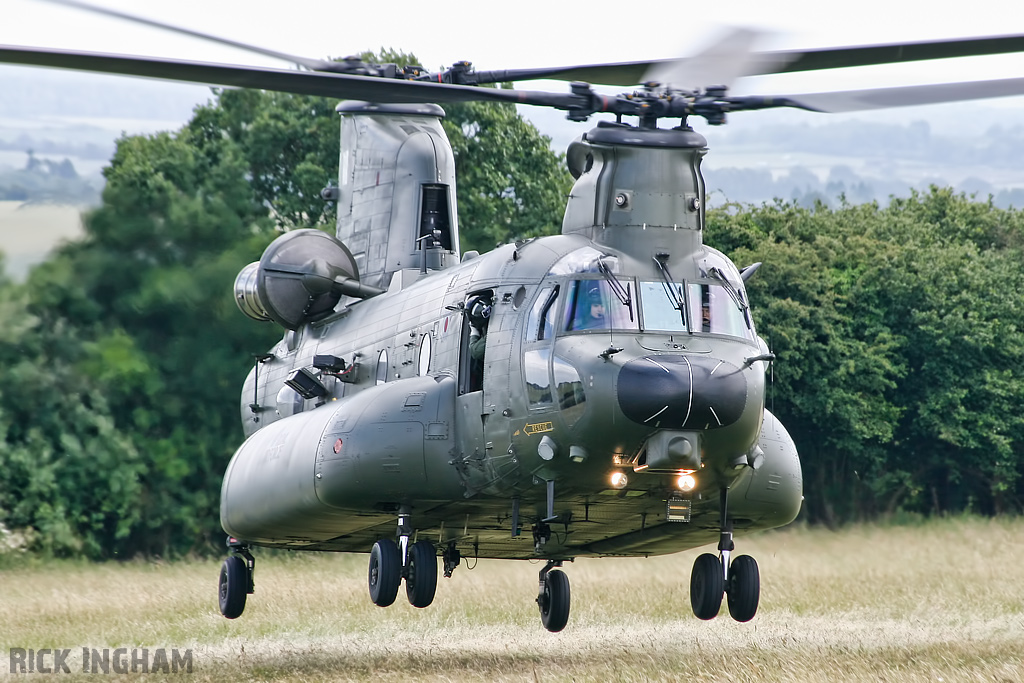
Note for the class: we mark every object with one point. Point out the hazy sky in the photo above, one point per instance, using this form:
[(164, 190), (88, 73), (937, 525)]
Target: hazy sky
[(530, 33), (521, 33)]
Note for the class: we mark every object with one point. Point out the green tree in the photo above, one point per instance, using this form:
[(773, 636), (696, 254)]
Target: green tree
[(510, 184), (71, 476), (144, 303), (900, 349)]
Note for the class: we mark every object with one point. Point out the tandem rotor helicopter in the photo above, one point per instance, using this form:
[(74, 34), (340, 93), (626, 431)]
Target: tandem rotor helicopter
[(596, 393)]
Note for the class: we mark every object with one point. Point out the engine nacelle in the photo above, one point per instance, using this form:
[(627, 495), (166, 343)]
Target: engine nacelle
[(300, 278)]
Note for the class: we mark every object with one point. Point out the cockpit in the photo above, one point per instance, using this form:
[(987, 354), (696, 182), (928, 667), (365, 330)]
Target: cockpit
[(595, 296)]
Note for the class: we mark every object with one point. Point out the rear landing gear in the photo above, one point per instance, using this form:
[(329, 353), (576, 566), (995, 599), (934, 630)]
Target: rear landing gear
[(714, 577), (553, 597), (236, 579)]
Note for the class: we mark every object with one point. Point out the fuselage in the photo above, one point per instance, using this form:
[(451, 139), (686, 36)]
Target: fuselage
[(660, 386)]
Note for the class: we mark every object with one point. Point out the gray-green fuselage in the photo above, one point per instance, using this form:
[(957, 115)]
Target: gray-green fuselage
[(329, 474), (624, 346)]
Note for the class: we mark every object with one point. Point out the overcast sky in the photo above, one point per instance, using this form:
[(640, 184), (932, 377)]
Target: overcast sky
[(530, 33)]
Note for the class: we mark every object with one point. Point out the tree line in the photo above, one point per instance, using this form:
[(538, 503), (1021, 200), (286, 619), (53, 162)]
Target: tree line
[(897, 328)]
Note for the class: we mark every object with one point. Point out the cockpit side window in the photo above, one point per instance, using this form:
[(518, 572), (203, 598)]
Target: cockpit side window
[(592, 305), (540, 324), (715, 311)]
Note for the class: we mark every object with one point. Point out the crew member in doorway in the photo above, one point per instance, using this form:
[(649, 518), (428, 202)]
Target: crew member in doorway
[(479, 311)]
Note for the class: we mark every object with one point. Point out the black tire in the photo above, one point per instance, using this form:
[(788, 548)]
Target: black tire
[(744, 588), (385, 573), (234, 586), (707, 586), (554, 601), (421, 574)]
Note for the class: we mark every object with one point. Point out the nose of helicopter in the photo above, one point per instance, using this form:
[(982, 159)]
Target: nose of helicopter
[(682, 392)]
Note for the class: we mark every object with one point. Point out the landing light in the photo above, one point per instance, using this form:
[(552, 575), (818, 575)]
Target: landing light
[(619, 480), (686, 482)]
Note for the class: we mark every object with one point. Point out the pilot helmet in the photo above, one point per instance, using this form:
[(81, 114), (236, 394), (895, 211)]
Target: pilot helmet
[(479, 309)]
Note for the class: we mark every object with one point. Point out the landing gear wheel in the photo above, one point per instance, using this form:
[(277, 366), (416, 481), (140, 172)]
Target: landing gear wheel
[(421, 574), (706, 586), (234, 586), (385, 572), (744, 588), (554, 601)]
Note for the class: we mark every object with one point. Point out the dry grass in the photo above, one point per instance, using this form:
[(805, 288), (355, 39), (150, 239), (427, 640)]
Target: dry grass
[(939, 601)]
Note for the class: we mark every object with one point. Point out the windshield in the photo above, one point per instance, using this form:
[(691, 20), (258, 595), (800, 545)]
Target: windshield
[(659, 311)]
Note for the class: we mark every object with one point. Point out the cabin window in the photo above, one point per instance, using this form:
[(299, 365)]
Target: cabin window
[(423, 363), (659, 301), (382, 367), (519, 298), (538, 380)]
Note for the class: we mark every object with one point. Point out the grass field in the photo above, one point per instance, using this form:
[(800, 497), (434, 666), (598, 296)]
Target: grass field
[(938, 601)]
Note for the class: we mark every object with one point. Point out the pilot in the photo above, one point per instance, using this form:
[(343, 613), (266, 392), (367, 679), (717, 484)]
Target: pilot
[(593, 317)]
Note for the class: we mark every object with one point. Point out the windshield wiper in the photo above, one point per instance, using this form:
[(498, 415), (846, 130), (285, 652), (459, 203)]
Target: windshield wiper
[(717, 274), (673, 291), (621, 293)]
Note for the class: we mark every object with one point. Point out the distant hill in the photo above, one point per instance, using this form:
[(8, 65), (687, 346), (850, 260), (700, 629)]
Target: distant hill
[(778, 154)]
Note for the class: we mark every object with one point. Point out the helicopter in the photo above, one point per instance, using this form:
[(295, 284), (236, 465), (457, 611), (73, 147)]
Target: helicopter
[(598, 393)]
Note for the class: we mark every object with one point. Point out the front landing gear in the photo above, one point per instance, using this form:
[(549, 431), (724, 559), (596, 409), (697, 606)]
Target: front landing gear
[(714, 577), (553, 597), (236, 579), (416, 563), (706, 586), (744, 588)]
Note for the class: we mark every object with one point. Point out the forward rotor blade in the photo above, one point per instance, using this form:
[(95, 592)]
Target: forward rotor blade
[(341, 86), (314, 64), (784, 61)]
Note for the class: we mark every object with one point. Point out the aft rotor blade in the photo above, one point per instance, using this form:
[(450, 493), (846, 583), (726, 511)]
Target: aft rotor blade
[(784, 61), (884, 98), (341, 86), (314, 64)]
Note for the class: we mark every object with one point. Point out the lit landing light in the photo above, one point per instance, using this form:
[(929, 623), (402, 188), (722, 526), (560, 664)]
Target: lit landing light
[(619, 480), (686, 482)]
